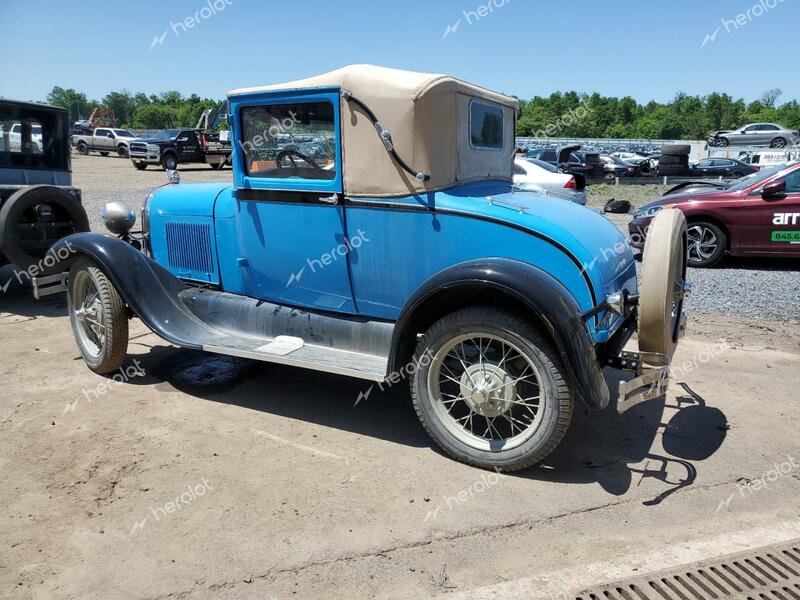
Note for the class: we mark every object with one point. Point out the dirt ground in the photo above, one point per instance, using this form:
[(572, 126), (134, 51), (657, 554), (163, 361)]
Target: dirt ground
[(192, 476)]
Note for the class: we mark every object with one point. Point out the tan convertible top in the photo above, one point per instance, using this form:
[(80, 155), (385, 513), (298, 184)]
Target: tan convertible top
[(429, 118)]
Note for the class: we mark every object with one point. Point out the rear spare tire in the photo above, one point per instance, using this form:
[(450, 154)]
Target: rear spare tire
[(663, 280), (34, 218)]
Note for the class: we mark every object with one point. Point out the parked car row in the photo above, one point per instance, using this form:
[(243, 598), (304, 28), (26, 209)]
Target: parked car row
[(597, 165)]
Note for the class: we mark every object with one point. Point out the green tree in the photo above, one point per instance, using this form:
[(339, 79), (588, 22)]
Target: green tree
[(75, 102)]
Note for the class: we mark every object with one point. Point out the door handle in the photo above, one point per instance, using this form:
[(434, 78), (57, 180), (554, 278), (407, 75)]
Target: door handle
[(330, 199)]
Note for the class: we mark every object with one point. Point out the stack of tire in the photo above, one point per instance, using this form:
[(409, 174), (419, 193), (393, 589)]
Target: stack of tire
[(674, 160)]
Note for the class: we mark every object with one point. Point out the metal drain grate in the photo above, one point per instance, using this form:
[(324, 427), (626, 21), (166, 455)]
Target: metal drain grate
[(771, 573)]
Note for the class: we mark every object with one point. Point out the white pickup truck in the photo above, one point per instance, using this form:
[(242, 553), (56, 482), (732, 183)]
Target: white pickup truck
[(105, 140), (15, 138)]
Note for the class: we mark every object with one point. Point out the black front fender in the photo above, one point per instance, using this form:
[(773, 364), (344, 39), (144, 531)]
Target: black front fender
[(150, 291), (547, 299)]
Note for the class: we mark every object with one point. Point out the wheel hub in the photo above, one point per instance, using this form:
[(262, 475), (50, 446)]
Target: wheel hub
[(488, 389)]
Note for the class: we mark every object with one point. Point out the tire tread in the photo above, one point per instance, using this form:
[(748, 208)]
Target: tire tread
[(509, 322)]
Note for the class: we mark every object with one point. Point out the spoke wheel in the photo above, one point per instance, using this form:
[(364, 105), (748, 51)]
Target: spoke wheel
[(490, 390), (98, 317), (89, 312), (486, 391)]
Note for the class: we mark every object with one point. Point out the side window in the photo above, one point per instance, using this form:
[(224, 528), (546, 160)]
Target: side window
[(793, 182), (13, 140), (290, 141), (704, 163), (769, 128), (100, 132), (753, 128), (485, 126), (549, 155), (187, 137)]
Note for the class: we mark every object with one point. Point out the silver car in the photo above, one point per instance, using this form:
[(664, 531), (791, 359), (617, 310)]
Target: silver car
[(760, 134)]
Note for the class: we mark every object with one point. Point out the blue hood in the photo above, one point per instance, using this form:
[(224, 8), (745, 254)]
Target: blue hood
[(193, 199), (597, 243)]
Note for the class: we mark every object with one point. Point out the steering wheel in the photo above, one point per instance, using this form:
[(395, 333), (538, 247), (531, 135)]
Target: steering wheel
[(290, 154)]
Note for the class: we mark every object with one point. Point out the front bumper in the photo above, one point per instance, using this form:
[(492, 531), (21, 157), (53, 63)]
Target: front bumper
[(151, 158)]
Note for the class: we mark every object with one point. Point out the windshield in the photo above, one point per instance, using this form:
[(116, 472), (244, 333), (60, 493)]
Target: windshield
[(166, 134), (762, 175), (124, 133)]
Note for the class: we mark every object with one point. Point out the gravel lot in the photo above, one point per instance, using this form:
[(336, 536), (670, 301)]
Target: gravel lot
[(198, 476)]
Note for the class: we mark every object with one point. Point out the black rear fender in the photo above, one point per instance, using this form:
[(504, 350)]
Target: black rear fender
[(516, 286)]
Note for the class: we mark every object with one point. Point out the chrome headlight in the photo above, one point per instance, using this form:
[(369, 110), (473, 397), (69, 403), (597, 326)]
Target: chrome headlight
[(647, 212), (153, 148), (118, 217)]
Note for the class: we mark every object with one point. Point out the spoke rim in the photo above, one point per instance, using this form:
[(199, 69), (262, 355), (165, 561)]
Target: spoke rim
[(89, 315), (486, 392)]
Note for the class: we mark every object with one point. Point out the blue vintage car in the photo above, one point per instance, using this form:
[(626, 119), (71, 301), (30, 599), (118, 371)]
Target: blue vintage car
[(399, 252)]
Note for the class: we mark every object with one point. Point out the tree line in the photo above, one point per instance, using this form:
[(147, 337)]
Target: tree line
[(686, 117), (561, 114), (136, 111)]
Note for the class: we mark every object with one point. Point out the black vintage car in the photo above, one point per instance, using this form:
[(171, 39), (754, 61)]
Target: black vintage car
[(172, 147), (38, 204)]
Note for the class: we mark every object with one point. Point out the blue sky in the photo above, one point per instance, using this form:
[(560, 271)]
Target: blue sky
[(649, 50)]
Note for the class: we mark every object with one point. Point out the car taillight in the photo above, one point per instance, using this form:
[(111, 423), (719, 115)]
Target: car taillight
[(571, 185)]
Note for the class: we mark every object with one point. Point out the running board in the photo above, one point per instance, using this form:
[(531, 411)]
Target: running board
[(294, 352)]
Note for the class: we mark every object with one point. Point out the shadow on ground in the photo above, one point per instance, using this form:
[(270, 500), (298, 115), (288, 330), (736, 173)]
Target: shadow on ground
[(612, 450), (16, 299)]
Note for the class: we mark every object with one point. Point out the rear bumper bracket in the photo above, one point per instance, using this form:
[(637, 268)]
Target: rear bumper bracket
[(50, 284), (650, 382)]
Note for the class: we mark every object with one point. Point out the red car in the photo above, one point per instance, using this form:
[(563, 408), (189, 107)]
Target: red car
[(758, 215)]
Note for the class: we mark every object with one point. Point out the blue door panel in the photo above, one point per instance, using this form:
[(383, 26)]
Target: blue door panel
[(406, 248), (295, 254)]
